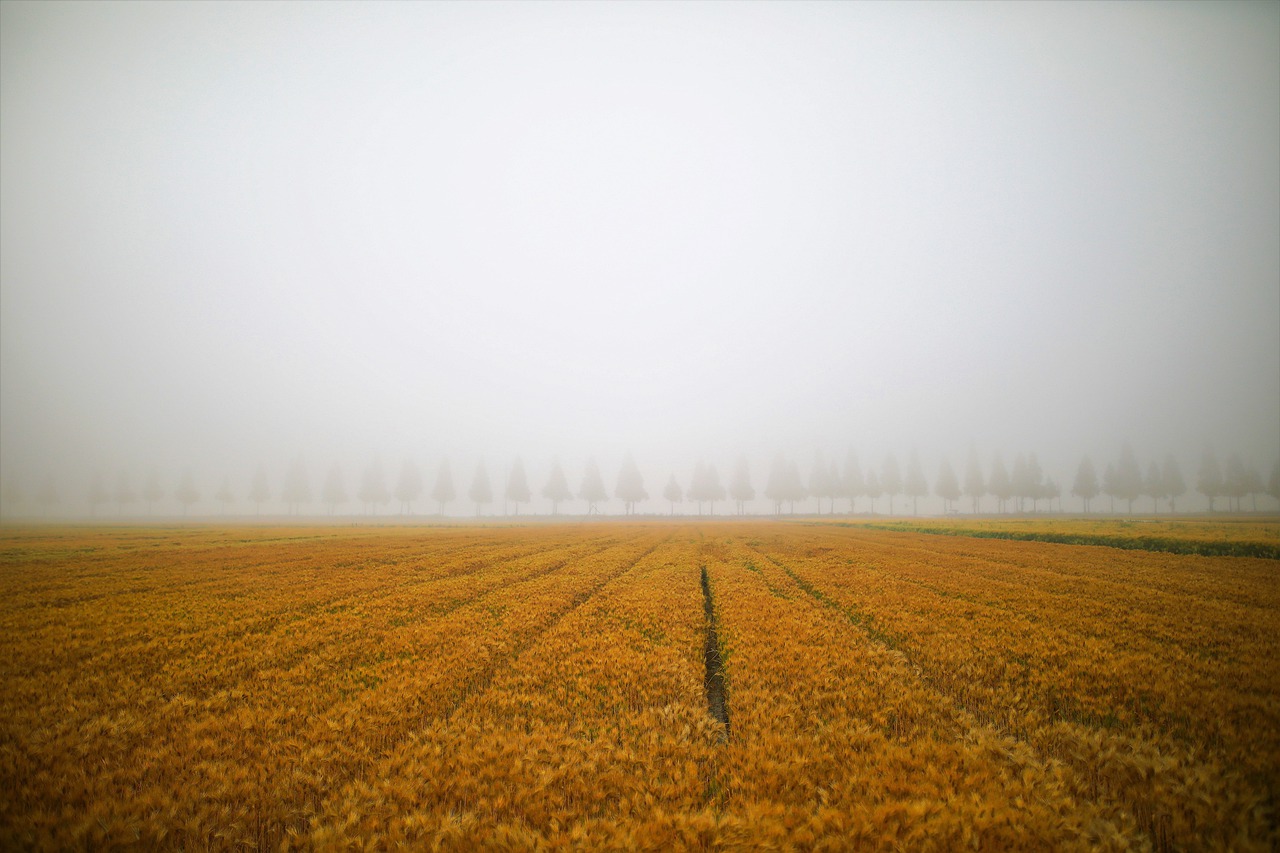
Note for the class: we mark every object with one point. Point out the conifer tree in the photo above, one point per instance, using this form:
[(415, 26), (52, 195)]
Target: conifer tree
[(630, 488), (373, 487), (517, 486), (673, 493), (1174, 485), (974, 484), (740, 488), (915, 486), (592, 490), (259, 493), (852, 480), (948, 486), (557, 488), (1209, 480), (444, 491), (481, 492), (1128, 476), (1085, 486), (999, 484), (891, 479), (408, 486), (334, 491)]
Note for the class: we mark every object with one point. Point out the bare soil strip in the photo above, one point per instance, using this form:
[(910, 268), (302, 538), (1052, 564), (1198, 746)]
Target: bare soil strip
[(717, 701)]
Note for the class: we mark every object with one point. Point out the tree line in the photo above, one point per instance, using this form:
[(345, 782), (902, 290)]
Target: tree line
[(1022, 487)]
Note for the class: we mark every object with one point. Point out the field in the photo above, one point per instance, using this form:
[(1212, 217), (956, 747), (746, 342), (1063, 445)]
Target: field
[(548, 685)]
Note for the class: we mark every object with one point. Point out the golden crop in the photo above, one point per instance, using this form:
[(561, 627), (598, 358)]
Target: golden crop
[(544, 686)]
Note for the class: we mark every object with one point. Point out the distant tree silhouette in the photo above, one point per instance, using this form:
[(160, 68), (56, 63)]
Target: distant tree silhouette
[(259, 491), (891, 479), (1153, 485), (1273, 483), (630, 488), (592, 490), (871, 488), (915, 486), (186, 493), (373, 487), (673, 493), (151, 491), (948, 486), (481, 492), (851, 479), (821, 484), (705, 486), (1038, 486), (223, 496), (1128, 477), (444, 490), (796, 490), (124, 494), (1109, 486), (408, 486), (999, 484), (1174, 485), (775, 488), (698, 485), (1021, 484), (97, 493), (557, 488), (334, 491), (296, 489), (740, 488), (1240, 481), (974, 484), (1209, 480), (517, 486), (1085, 486)]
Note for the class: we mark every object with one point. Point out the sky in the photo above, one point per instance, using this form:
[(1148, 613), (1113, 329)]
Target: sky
[(235, 233)]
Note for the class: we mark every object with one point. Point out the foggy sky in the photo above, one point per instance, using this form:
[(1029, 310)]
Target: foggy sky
[(235, 233)]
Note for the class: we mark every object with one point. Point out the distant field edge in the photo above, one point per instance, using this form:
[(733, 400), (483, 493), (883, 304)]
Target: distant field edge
[(1172, 545)]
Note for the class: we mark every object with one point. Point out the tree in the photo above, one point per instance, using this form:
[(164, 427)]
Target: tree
[(1153, 485), (740, 488), (97, 493), (151, 490), (186, 493), (775, 488), (444, 490), (223, 495), (852, 479), (296, 489), (481, 492), (915, 485), (821, 485), (259, 493), (1109, 486), (891, 479), (673, 493), (1273, 484), (1240, 481), (408, 486), (334, 491), (974, 484), (796, 490), (517, 486), (999, 484), (698, 485), (1038, 485), (1128, 476), (1085, 486), (557, 488), (1021, 485), (124, 491), (592, 490), (373, 487), (871, 488), (948, 486), (1209, 480), (631, 485), (1174, 486)]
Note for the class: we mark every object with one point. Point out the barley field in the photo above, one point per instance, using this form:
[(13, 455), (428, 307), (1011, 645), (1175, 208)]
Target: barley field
[(640, 685)]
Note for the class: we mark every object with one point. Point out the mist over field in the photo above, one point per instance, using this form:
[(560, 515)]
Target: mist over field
[(237, 236)]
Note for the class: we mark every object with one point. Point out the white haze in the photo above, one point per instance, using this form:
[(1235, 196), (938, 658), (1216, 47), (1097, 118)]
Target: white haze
[(236, 233)]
